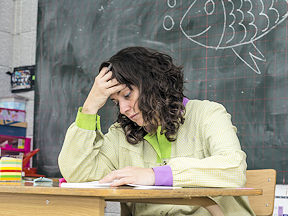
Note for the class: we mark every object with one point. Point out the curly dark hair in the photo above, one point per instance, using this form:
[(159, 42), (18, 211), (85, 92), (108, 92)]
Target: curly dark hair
[(160, 85)]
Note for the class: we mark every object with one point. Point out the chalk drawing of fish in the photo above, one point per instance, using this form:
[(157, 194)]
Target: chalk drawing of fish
[(224, 24)]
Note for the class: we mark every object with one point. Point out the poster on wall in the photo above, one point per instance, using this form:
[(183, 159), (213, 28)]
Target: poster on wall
[(22, 78)]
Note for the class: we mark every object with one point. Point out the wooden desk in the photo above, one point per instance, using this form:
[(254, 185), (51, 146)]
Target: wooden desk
[(25, 199)]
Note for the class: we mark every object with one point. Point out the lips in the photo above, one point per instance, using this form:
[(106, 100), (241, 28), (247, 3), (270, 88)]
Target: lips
[(133, 116)]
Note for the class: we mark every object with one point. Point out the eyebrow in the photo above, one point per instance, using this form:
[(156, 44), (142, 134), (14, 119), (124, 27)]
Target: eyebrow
[(119, 92)]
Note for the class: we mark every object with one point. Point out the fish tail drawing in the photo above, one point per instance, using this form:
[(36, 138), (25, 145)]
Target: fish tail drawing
[(255, 55)]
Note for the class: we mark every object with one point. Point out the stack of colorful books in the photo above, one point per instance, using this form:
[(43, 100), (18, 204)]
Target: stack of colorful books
[(10, 169)]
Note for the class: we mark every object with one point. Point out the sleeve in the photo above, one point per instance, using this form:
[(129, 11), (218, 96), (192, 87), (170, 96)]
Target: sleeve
[(86, 154), (226, 164)]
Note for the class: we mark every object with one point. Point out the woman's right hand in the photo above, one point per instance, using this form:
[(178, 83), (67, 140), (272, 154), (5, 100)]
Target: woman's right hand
[(102, 88)]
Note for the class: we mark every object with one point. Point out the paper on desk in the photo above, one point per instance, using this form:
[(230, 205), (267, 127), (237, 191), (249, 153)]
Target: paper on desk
[(96, 184), (143, 187), (93, 184)]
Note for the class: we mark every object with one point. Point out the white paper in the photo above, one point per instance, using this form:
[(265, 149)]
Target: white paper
[(96, 184), (93, 184)]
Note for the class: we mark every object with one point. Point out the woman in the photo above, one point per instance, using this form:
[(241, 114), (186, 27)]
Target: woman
[(160, 138)]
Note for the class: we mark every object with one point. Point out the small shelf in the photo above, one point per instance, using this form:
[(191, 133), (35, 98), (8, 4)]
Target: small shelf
[(13, 149), (12, 145)]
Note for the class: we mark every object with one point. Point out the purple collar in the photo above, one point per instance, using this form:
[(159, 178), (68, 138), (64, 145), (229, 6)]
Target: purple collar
[(185, 101)]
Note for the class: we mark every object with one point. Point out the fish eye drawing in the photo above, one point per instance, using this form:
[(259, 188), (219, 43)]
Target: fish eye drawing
[(230, 24)]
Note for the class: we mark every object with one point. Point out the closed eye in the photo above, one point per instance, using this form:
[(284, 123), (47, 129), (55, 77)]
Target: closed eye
[(127, 95)]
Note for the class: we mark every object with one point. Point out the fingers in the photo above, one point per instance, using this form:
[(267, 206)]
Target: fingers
[(118, 175), (130, 175), (107, 76), (101, 90), (112, 82), (123, 181), (104, 75), (116, 88), (104, 71), (104, 81), (108, 82), (108, 178)]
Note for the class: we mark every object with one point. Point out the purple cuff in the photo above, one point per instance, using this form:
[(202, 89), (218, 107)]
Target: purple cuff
[(163, 176)]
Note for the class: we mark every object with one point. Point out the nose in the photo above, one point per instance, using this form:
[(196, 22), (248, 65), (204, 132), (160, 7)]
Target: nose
[(124, 107)]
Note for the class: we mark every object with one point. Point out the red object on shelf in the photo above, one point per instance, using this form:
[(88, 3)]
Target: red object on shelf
[(29, 171), (28, 156)]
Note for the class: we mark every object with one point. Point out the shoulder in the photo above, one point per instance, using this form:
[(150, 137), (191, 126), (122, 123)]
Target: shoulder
[(200, 111), (202, 106)]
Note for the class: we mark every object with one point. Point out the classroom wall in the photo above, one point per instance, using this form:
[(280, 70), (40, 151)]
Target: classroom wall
[(6, 41), (18, 22)]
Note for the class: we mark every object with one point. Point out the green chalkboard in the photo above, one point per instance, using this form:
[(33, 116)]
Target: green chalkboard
[(233, 52)]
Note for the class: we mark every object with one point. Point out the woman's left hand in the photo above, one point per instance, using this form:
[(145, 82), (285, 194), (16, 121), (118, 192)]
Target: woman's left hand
[(130, 175)]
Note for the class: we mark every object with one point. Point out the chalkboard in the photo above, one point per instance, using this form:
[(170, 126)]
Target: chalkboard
[(233, 52)]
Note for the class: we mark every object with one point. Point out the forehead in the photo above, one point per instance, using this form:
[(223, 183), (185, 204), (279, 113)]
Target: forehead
[(115, 95)]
